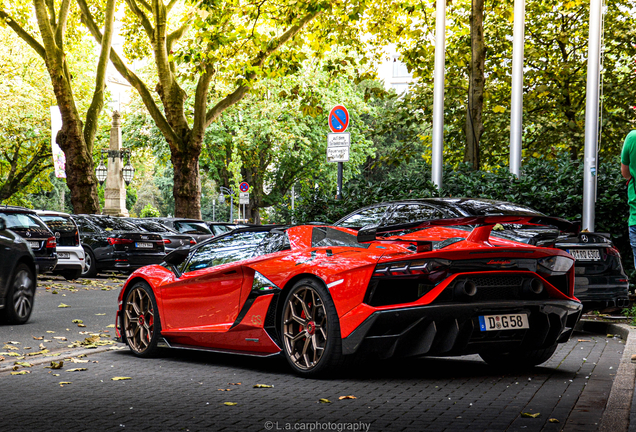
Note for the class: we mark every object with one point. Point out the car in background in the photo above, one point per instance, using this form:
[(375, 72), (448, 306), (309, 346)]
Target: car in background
[(70, 254), (26, 223), (172, 240), (320, 295), (198, 229), (600, 280), (18, 277), (114, 244)]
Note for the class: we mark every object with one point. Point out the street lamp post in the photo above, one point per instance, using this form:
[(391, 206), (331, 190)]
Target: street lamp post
[(230, 192)]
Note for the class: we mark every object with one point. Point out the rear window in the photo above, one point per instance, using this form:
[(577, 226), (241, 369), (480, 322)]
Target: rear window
[(110, 224), (325, 236), (59, 223), (192, 228), (154, 227), (22, 221)]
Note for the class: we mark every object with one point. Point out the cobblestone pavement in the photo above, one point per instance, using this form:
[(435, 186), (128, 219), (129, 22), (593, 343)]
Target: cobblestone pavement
[(194, 391)]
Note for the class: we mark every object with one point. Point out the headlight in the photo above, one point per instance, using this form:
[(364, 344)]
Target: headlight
[(556, 265)]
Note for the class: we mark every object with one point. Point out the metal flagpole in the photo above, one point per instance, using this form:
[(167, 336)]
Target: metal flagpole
[(516, 100), (438, 93), (591, 113)]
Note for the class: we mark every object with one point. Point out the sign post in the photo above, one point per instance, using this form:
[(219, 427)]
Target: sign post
[(244, 196), (338, 142)]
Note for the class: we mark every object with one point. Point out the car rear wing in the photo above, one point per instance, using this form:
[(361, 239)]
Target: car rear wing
[(483, 225)]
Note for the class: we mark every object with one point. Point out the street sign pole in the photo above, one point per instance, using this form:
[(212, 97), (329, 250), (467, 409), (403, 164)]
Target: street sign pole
[(339, 195)]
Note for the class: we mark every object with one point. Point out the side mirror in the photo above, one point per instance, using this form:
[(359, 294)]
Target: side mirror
[(367, 234), (3, 224), (177, 256)]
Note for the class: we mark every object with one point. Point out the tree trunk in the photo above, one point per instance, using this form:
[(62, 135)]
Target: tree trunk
[(187, 185), (474, 123)]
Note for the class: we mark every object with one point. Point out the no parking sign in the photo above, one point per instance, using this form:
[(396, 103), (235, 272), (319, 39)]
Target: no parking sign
[(338, 119)]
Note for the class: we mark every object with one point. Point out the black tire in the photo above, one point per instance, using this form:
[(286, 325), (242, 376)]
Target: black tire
[(20, 296), (140, 320), (71, 274), (521, 359), (90, 265), (311, 346)]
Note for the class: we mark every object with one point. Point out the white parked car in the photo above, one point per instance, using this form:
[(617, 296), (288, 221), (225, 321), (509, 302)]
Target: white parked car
[(70, 254)]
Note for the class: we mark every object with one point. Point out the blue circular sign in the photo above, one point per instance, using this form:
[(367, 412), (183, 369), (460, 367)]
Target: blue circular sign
[(244, 187), (338, 119)]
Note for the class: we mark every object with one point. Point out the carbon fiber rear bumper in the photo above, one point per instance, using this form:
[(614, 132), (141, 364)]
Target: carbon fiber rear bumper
[(453, 329)]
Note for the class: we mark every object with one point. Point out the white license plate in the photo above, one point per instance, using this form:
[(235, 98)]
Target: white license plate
[(585, 254), (66, 255), (34, 245), (503, 322), (144, 245)]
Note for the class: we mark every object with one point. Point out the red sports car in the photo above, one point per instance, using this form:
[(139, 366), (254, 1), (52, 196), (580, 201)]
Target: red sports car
[(321, 294)]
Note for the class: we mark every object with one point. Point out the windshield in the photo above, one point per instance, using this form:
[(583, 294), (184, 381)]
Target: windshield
[(22, 221)]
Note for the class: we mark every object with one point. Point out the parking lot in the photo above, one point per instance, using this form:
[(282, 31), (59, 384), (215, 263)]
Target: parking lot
[(186, 390)]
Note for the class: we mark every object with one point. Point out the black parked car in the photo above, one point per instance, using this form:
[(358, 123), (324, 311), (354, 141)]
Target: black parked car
[(115, 244), (219, 228), (27, 224), (194, 227), (599, 276), (171, 239), (17, 277)]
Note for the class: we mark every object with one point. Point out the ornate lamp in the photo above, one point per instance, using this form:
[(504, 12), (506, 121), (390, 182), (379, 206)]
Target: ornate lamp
[(101, 172), (129, 172)]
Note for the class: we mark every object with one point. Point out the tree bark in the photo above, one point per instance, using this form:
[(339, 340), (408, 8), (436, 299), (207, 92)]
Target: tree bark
[(474, 123)]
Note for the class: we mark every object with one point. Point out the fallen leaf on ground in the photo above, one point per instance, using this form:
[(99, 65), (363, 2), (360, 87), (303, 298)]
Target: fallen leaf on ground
[(120, 378), (81, 325), (62, 305), (347, 397), (531, 415), (229, 403), (38, 338), (100, 314), (553, 420), (49, 331), (262, 386), (65, 382), (23, 364), (77, 321), (224, 389), (13, 343), (62, 338), (22, 372), (1, 358), (42, 346), (76, 370), (323, 400), (585, 340), (55, 365), (44, 351), (13, 354), (76, 360), (110, 326), (10, 347), (233, 383)]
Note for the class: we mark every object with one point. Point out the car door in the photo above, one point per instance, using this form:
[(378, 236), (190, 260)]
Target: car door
[(206, 297)]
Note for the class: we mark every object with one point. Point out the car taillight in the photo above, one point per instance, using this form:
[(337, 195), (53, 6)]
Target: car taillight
[(613, 251), (167, 241), (193, 241), (77, 238), (50, 242), (117, 240)]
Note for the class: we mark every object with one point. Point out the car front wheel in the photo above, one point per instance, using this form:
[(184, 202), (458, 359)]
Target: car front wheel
[(90, 266), (141, 324), (310, 329)]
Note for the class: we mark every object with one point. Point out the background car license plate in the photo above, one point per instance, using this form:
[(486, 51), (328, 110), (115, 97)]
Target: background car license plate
[(144, 245), (34, 245), (63, 255), (585, 254), (503, 322)]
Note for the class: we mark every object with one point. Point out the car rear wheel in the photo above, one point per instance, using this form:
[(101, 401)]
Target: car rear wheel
[(310, 329), (519, 359), (90, 265), (20, 296), (141, 324)]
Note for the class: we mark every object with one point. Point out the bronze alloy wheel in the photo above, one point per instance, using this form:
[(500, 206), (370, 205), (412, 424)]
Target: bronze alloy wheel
[(139, 320), (305, 327), (22, 293)]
